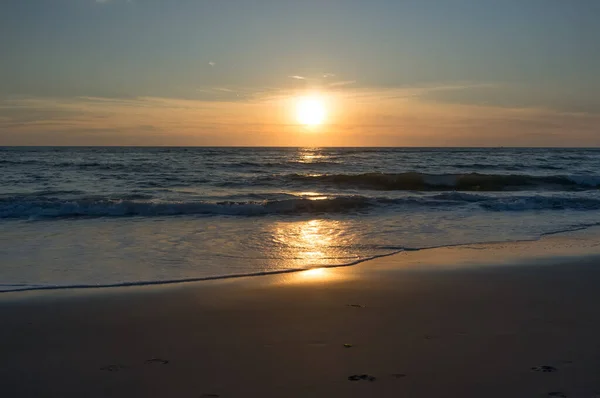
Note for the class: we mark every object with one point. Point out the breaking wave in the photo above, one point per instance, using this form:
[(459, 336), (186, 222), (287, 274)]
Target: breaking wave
[(138, 205), (413, 181), (53, 208)]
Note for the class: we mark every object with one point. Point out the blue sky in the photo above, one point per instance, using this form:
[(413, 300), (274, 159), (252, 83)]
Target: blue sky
[(540, 55)]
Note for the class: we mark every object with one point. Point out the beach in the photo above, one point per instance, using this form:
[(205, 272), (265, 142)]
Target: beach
[(495, 320), (299, 199)]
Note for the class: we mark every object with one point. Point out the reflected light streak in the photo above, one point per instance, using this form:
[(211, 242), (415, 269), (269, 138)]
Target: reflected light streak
[(314, 273), (311, 156), (313, 243)]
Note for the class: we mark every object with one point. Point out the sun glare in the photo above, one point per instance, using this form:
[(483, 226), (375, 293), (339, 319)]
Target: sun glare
[(310, 111)]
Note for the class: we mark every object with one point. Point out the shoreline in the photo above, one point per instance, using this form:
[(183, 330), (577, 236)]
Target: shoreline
[(589, 232), (516, 319)]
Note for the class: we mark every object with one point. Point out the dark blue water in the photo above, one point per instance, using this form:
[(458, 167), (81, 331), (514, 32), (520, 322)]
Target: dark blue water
[(114, 215)]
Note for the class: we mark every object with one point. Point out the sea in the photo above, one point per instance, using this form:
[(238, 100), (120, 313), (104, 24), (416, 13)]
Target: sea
[(118, 216)]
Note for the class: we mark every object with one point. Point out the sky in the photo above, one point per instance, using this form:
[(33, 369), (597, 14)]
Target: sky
[(388, 72)]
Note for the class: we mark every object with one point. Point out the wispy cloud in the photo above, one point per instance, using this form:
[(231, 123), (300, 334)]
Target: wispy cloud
[(229, 94), (407, 92), (212, 63), (342, 83), (357, 116), (323, 76)]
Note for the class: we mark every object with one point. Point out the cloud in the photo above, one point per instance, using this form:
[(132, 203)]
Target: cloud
[(357, 116), (212, 63), (415, 92), (228, 94), (342, 83), (324, 76)]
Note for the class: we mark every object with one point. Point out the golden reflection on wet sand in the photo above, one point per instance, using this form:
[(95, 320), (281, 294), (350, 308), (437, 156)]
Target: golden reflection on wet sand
[(311, 244)]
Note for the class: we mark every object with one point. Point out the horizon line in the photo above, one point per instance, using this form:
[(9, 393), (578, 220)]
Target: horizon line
[(295, 146)]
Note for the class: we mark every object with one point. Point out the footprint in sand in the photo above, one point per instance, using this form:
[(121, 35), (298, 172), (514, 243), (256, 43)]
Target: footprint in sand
[(557, 394), (544, 369), (362, 377), (112, 368), (347, 345), (355, 305), (156, 360)]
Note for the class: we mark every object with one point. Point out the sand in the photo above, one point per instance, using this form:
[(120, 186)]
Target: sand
[(512, 320)]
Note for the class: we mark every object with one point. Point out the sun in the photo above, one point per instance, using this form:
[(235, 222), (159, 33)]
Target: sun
[(310, 111)]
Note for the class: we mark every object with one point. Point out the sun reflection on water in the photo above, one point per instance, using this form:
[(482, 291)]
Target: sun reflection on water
[(311, 156), (314, 244)]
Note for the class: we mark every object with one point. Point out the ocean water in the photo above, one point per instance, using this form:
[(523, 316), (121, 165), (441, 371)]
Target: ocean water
[(113, 216)]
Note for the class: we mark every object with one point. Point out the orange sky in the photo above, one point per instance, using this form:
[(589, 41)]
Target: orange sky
[(205, 72), (355, 117)]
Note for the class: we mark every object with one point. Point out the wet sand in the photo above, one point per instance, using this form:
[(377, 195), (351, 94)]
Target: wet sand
[(511, 320)]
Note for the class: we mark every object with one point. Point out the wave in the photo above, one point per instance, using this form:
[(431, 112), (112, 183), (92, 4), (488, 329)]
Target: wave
[(23, 207), (414, 181), (138, 205), (129, 167), (150, 166), (523, 203), (20, 162), (504, 167), (541, 203)]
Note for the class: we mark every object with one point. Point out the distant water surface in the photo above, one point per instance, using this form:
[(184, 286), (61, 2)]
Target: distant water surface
[(105, 216)]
